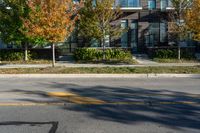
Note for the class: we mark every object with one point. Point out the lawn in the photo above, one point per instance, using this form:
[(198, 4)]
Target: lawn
[(27, 62), (112, 62), (103, 70), (159, 60)]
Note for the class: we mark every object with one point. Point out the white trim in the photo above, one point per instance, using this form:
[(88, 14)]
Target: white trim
[(170, 8), (131, 8)]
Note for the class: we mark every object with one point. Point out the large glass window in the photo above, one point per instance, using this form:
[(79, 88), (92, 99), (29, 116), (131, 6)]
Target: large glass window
[(134, 35), (169, 3), (133, 3), (94, 3), (152, 38), (163, 4), (124, 36), (128, 3), (157, 33), (94, 43), (154, 30), (151, 4), (163, 31)]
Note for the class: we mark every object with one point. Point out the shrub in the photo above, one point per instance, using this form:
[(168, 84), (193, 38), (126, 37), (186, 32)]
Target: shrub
[(13, 55), (172, 54), (165, 54), (92, 54)]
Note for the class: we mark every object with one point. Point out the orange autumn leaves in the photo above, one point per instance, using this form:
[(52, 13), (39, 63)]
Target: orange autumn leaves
[(52, 20), (193, 19)]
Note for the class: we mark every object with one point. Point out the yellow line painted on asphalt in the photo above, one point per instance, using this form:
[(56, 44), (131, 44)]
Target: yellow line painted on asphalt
[(74, 98), (61, 94), (77, 99)]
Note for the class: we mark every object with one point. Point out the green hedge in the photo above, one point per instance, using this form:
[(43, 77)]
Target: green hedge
[(92, 54), (13, 55), (172, 54)]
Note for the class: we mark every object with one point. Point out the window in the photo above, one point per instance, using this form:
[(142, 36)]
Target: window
[(163, 31), (152, 38), (169, 3), (134, 35), (128, 3), (163, 4), (151, 4), (133, 3), (94, 3), (94, 43), (124, 36)]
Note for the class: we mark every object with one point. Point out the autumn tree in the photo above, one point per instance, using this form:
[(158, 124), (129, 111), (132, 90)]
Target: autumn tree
[(192, 18), (177, 24), (52, 20), (95, 20), (10, 23)]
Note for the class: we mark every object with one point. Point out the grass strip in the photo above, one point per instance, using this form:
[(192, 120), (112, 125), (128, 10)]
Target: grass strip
[(103, 70), (27, 62)]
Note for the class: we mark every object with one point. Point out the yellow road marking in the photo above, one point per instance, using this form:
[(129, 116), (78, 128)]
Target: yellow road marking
[(61, 94), (74, 98), (77, 99)]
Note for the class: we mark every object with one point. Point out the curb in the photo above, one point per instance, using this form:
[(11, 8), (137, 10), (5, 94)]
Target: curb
[(10, 104), (99, 75)]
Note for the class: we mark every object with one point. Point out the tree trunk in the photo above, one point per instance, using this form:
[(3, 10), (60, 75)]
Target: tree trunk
[(26, 52), (179, 52), (53, 55), (103, 45)]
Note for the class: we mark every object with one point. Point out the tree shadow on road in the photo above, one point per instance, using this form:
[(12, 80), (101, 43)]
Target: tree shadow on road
[(131, 105)]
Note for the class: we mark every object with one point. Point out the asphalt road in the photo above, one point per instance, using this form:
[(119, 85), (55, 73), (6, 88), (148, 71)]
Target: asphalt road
[(126, 105)]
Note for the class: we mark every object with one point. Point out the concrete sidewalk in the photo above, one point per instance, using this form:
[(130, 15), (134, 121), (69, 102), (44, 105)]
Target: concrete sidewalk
[(64, 64), (97, 76)]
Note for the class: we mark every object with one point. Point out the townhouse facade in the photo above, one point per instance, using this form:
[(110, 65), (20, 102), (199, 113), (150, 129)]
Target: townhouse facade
[(147, 22)]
